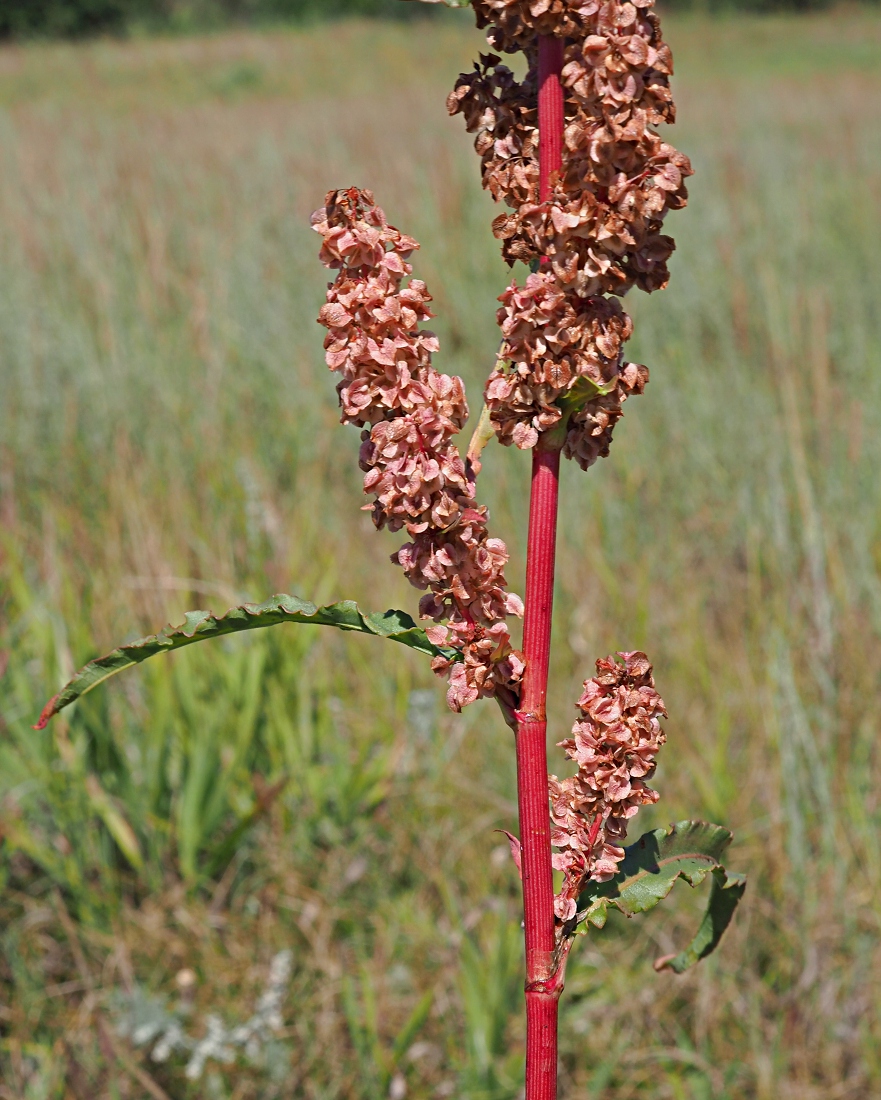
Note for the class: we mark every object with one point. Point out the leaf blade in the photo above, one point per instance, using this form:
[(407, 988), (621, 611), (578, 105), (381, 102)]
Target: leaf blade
[(725, 894), (397, 626), (690, 850)]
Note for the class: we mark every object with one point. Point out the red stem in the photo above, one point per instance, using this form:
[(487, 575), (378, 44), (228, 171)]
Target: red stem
[(532, 784), (543, 972), (550, 111)]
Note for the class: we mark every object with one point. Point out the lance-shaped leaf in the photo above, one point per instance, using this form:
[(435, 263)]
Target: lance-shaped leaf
[(690, 850), (199, 625)]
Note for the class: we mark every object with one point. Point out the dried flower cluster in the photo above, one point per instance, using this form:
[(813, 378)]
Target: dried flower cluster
[(599, 232), (614, 742), (410, 414), (515, 23), (557, 350)]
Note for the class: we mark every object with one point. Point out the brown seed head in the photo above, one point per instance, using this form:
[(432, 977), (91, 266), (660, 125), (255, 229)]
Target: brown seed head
[(413, 469), (601, 230), (614, 742)]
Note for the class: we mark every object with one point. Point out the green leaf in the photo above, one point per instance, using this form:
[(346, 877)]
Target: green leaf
[(725, 893), (199, 625), (690, 850), (582, 391)]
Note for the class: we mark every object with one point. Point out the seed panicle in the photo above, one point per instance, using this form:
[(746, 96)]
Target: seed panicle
[(614, 741), (599, 232), (409, 414)]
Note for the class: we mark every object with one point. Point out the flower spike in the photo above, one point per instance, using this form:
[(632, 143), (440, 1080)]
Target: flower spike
[(598, 232), (614, 742), (409, 414)]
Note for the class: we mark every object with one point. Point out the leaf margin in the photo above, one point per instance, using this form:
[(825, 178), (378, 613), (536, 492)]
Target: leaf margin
[(726, 892), (198, 626), (693, 850)]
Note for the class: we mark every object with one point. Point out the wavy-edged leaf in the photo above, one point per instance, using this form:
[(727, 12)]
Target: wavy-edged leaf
[(200, 625), (690, 850), (725, 893)]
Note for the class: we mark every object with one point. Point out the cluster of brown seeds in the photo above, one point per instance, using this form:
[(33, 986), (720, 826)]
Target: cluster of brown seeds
[(410, 413), (561, 367), (599, 232), (560, 349), (614, 742), (514, 24)]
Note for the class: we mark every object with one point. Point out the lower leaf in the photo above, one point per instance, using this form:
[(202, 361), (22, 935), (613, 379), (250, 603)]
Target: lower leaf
[(725, 894), (690, 850)]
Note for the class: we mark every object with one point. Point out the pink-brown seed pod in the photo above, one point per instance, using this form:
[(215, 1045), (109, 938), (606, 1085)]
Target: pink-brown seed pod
[(615, 742), (413, 469), (600, 231)]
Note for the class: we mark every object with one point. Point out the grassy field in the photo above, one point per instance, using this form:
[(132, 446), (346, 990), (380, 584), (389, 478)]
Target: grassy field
[(169, 440)]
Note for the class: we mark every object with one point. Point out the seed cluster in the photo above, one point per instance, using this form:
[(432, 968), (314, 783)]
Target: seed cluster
[(409, 414), (558, 348), (599, 232), (614, 742)]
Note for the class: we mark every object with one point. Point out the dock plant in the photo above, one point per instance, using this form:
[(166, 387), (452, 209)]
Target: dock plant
[(571, 151)]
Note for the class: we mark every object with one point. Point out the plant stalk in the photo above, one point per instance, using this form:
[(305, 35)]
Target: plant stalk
[(543, 970)]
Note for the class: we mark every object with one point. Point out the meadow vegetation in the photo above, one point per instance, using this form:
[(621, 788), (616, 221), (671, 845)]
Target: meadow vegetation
[(24, 19), (169, 440)]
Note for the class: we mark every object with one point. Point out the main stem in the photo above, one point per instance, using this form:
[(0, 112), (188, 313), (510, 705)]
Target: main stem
[(543, 974)]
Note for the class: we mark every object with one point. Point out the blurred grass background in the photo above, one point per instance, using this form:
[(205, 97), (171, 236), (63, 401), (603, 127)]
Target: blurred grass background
[(22, 19), (82, 18), (169, 440)]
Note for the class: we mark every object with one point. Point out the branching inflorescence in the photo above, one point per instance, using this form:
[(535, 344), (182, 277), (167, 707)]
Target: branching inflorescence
[(410, 414), (593, 235), (571, 151), (598, 233), (561, 369)]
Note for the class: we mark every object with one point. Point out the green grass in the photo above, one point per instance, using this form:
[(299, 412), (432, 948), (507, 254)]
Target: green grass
[(169, 440)]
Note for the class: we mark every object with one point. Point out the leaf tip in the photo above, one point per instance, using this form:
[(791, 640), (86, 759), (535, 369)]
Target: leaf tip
[(516, 851), (49, 711)]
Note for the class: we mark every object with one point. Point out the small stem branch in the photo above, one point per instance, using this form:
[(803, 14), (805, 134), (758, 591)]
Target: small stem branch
[(543, 970)]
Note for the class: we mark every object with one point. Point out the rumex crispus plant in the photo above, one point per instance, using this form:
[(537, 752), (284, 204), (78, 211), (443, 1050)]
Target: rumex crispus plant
[(571, 151)]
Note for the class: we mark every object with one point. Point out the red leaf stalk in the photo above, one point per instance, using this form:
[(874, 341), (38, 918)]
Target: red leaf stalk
[(543, 971)]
